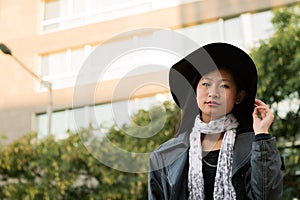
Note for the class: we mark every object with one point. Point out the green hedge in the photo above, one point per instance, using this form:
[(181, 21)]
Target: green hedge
[(65, 169)]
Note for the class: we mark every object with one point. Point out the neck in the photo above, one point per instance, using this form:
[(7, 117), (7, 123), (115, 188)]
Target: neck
[(211, 142), (207, 119)]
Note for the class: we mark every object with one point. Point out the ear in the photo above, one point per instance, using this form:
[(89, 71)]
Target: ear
[(240, 96)]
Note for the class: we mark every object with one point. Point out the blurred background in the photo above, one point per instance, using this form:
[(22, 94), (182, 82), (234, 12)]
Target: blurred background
[(54, 37)]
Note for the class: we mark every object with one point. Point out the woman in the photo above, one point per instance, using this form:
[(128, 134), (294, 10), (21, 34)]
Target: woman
[(223, 149)]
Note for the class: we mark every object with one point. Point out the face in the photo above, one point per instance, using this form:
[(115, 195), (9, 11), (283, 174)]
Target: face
[(217, 94)]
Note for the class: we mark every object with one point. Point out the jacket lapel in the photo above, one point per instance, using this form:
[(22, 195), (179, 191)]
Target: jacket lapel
[(242, 150)]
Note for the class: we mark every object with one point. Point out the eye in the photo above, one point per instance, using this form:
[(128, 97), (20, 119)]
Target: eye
[(205, 84), (224, 86)]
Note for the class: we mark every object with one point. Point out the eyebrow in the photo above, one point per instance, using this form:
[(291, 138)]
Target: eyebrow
[(222, 80)]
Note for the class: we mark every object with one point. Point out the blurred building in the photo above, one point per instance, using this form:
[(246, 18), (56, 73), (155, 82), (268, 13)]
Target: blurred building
[(54, 37)]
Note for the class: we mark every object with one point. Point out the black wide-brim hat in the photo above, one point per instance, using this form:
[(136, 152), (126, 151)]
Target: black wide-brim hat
[(185, 74)]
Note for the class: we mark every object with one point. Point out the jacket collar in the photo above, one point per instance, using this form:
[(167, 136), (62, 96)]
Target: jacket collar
[(179, 145), (242, 150), (173, 149)]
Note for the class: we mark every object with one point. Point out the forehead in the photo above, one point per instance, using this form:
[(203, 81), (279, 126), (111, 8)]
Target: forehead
[(218, 75)]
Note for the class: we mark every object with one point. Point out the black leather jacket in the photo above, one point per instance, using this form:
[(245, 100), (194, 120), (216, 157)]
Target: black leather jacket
[(256, 169)]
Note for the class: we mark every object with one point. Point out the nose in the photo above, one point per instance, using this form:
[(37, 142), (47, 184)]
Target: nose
[(214, 92)]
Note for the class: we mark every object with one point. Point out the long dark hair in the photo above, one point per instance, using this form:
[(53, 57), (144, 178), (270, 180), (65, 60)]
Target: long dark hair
[(242, 111), (185, 75)]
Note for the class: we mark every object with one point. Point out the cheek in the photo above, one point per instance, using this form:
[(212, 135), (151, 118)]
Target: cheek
[(200, 97), (200, 94), (230, 99)]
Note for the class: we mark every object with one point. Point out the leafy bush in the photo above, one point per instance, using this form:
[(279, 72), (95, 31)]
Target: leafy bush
[(73, 168), (278, 61), (66, 169)]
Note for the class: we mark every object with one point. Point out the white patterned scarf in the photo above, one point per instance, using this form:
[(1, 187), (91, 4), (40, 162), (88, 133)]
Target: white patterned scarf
[(223, 188)]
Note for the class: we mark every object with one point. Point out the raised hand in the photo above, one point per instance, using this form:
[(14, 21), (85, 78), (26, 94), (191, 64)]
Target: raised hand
[(262, 117)]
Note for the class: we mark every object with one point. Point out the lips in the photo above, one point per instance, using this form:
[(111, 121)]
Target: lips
[(212, 103)]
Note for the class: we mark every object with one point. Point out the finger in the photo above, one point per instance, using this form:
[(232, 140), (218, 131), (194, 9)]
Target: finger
[(265, 113), (259, 102), (256, 113), (262, 112), (269, 115)]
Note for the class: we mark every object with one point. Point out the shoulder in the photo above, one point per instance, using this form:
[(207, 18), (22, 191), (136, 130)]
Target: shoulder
[(168, 152), (242, 150), (180, 141), (244, 138), (243, 141)]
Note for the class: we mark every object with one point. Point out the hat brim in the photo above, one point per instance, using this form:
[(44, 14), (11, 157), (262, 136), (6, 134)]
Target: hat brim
[(185, 74)]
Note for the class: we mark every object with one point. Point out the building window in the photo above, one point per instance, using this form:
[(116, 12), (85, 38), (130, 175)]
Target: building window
[(203, 33), (262, 25), (244, 30), (51, 10), (96, 116), (63, 14), (233, 31), (62, 67)]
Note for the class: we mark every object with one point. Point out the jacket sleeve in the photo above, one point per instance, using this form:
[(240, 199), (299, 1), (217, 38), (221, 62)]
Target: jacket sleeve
[(266, 175), (155, 179)]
